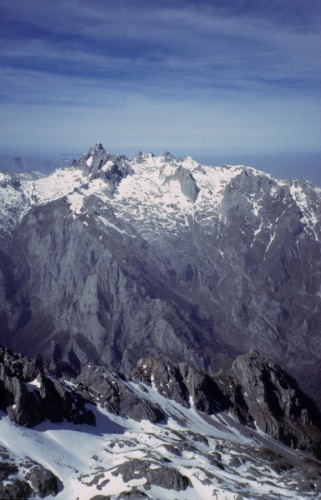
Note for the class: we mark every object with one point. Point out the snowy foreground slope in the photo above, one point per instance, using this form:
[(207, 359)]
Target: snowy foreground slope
[(212, 456), (104, 434)]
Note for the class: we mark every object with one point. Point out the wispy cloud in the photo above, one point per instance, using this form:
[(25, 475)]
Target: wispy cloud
[(228, 54)]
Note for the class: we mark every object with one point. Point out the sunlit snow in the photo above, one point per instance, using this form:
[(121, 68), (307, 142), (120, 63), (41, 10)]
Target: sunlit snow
[(85, 457), (151, 198)]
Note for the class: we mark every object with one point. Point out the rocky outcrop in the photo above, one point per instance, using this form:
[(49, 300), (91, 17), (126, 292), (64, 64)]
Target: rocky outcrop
[(25, 478), (186, 181), (182, 383), (218, 451), (97, 163), (100, 385), (258, 392), (42, 480), (155, 474), (29, 397), (275, 402)]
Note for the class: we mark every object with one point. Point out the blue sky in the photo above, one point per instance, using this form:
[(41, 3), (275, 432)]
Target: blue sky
[(206, 78)]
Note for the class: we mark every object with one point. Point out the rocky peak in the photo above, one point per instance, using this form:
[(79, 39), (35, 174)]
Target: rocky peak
[(29, 397), (168, 157), (100, 385), (186, 181), (276, 403), (97, 163), (184, 384), (258, 392), (185, 451), (98, 147), (166, 378), (95, 158)]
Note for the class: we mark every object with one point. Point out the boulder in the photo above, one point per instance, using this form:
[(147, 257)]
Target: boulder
[(155, 474), (42, 480)]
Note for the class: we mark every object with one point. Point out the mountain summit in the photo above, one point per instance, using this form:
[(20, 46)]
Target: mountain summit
[(115, 259)]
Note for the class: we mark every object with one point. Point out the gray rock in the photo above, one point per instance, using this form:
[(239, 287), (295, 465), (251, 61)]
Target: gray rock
[(25, 478), (6, 469), (186, 181), (29, 397), (14, 490), (276, 403), (133, 494), (101, 497), (43, 481), (166, 378), (101, 385), (257, 391), (182, 383), (165, 477), (98, 163)]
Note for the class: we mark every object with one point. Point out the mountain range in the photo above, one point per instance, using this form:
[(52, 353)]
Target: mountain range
[(153, 261), (19, 164)]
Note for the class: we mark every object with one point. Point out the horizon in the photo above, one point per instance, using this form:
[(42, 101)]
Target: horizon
[(202, 77), (282, 165)]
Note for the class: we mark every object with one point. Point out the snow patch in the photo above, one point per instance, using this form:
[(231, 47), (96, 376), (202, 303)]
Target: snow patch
[(76, 201), (89, 161)]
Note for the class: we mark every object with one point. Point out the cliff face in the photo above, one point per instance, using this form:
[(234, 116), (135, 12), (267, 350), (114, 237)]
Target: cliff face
[(114, 259), (259, 393)]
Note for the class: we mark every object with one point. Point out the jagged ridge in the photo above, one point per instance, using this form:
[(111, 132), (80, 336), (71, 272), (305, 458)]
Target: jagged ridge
[(115, 259), (188, 454)]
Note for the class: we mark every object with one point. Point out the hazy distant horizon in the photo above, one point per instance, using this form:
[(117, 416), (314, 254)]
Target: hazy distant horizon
[(282, 165)]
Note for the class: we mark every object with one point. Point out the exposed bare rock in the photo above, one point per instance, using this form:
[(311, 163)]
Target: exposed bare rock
[(258, 392), (98, 163), (186, 181), (43, 481), (165, 377), (29, 397), (99, 384), (183, 383), (23, 479), (276, 403), (155, 474)]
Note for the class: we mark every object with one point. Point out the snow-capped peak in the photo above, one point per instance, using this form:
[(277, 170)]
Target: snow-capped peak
[(152, 190), (98, 147), (190, 163)]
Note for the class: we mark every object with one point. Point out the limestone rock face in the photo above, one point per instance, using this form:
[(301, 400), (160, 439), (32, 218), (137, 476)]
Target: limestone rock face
[(186, 182), (182, 383), (98, 384), (97, 163), (258, 392), (118, 259), (276, 403), (29, 397), (146, 442)]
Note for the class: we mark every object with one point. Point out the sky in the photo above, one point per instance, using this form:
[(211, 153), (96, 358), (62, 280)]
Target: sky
[(221, 80)]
